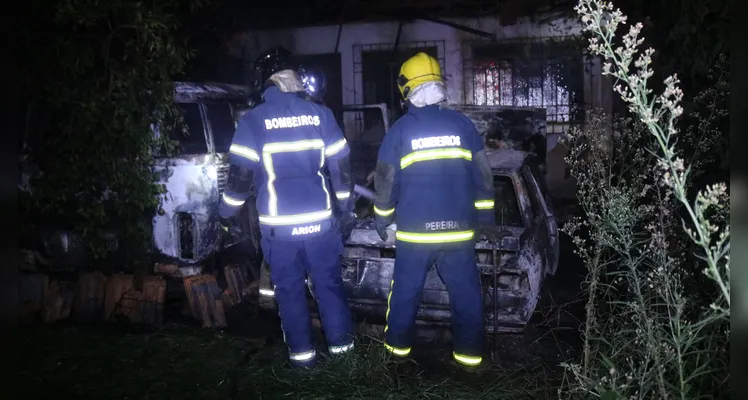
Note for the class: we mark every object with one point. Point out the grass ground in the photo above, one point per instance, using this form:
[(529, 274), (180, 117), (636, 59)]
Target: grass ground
[(178, 362)]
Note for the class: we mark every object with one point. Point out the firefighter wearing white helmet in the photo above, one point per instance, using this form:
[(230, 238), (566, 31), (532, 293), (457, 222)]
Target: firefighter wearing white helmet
[(297, 150)]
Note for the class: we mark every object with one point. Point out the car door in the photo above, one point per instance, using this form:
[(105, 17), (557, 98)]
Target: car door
[(221, 126), (540, 195), (188, 178)]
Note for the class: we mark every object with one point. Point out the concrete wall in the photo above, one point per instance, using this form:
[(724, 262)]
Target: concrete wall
[(322, 39), (454, 46)]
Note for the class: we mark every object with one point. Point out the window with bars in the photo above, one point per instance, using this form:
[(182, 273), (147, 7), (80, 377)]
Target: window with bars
[(527, 73)]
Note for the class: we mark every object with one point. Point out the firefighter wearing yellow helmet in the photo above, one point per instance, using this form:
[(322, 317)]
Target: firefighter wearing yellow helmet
[(418, 70), (433, 179)]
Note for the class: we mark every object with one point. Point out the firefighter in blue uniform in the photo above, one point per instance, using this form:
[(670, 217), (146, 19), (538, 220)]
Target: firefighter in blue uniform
[(287, 145), (433, 178)]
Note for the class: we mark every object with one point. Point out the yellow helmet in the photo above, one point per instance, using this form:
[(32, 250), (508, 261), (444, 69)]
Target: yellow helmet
[(417, 70)]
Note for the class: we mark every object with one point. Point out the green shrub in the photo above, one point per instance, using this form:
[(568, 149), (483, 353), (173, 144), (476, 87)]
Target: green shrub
[(658, 304), (100, 74)]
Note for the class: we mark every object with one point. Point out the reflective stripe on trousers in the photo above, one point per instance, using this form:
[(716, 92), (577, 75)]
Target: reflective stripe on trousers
[(398, 351), (341, 349), (383, 213), (302, 357), (458, 269), (471, 361)]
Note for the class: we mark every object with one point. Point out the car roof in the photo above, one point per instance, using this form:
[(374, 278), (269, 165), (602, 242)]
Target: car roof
[(507, 160), (187, 92)]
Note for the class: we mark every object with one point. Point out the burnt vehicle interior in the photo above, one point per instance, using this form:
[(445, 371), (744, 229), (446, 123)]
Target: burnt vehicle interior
[(506, 207)]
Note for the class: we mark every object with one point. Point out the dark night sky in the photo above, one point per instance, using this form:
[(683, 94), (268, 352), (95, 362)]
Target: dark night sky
[(247, 15)]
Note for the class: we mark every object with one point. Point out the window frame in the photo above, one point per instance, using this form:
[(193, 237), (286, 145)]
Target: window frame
[(534, 193), (521, 206), (206, 136), (204, 107), (546, 52)]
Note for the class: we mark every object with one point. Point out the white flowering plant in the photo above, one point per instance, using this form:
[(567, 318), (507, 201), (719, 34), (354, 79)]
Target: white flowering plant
[(658, 287)]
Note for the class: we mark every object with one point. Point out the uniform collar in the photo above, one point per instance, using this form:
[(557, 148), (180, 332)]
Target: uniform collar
[(272, 93)]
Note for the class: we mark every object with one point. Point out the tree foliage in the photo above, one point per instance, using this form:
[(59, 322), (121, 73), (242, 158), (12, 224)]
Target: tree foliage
[(99, 75)]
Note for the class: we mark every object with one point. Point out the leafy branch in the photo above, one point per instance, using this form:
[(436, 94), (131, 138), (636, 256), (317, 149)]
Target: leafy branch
[(603, 21)]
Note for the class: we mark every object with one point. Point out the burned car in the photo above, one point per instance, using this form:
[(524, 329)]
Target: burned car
[(185, 228), (512, 267)]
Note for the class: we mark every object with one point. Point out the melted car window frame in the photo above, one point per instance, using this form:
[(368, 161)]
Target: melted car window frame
[(500, 196), (190, 144), (221, 138)]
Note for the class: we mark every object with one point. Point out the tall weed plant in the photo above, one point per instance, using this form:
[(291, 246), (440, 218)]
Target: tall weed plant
[(658, 287)]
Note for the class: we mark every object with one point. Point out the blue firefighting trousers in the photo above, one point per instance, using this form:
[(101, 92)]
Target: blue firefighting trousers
[(290, 263), (459, 272)]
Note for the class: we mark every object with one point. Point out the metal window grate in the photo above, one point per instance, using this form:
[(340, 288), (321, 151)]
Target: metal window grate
[(404, 50), (538, 72)]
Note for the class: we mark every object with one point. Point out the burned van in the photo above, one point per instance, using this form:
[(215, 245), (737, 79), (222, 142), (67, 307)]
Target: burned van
[(186, 231), (185, 228)]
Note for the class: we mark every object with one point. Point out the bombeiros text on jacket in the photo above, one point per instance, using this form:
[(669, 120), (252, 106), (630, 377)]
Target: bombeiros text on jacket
[(292, 122), (435, 141)]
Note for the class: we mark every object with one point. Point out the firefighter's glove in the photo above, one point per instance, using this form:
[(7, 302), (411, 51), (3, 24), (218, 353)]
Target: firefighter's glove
[(382, 231)]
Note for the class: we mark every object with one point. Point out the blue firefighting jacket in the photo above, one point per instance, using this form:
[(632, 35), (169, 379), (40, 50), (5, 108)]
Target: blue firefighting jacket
[(286, 141), (438, 193)]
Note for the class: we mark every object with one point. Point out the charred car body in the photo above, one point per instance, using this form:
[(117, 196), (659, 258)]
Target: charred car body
[(185, 229), (512, 267)]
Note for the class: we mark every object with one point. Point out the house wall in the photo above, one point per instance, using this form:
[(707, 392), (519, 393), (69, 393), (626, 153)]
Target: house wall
[(454, 47)]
